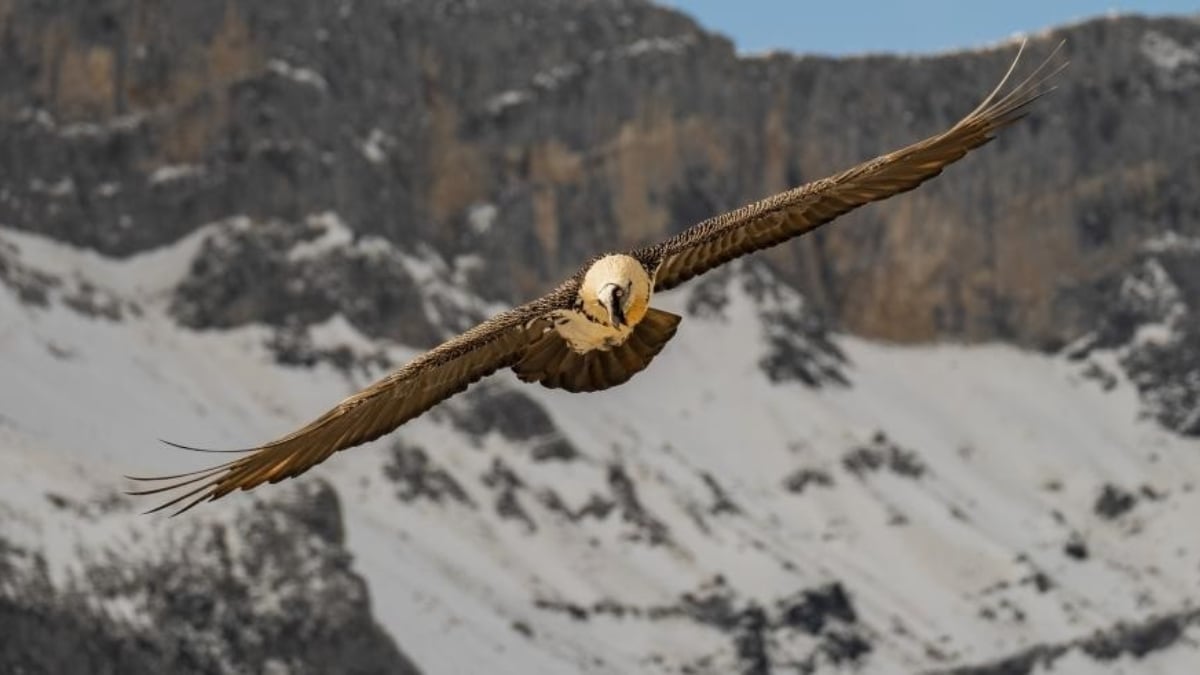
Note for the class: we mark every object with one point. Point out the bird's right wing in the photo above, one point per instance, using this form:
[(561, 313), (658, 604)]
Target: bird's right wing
[(776, 219), (404, 394)]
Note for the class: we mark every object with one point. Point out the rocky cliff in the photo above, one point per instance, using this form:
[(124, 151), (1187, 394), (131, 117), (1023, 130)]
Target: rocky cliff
[(241, 209), (269, 592), (537, 132)]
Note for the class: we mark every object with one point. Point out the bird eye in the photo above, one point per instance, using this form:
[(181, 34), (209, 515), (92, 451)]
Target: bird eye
[(618, 292)]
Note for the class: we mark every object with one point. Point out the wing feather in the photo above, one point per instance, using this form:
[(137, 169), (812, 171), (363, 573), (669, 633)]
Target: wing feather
[(380, 408), (776, 219)]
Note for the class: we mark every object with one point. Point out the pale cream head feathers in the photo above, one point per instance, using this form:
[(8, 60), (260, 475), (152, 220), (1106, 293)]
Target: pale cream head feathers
[(616, 289)]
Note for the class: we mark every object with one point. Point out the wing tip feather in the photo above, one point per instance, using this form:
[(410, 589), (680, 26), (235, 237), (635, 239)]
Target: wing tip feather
[(190, 448)]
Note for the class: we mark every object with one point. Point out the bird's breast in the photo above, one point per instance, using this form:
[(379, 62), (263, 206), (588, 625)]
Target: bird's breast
[(585, 334)]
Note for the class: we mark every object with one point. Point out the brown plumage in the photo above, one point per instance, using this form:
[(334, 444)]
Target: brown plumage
[(595, 330), (550, 361)]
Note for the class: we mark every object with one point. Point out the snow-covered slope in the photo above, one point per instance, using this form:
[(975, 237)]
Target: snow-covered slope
[(763, 499)]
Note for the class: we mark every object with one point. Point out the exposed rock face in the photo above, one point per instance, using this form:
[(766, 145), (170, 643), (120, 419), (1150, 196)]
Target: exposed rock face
[(798, 342), (274, 594), (515, 416), (882, 454), (806, 632), (1146, 317), (402, 163), (418, 477), (1135, 640), (283, 275), (131, 123), (438, 133), (38, 288)]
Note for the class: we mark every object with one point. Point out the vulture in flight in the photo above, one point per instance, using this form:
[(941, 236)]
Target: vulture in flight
[(597, 329)]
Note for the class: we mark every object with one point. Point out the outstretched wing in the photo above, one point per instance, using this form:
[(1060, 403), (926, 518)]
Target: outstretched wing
[(371, 413), (776, 219)]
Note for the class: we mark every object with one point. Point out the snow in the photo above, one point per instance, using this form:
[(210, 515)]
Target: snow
[(336, 331), (994, 425), (482, 216), (143, 277), (334, 234), (298, 74), (1153, 288), (656, 45), (107, 189), (1171, 241), (175, 172), (661, 44), (113, 125), (39, 116), (1167, 53), (554, 78), (504, 100), (63, 187), (374, 148), (1157, 334), (441, 286)]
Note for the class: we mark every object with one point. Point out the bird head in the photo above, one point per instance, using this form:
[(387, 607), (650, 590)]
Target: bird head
[(616, 290)]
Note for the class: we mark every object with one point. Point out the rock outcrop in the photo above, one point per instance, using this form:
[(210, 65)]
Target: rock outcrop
[(537, 132), (275, 593)]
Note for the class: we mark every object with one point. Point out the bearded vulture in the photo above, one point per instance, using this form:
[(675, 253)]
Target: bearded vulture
[(597, 329)]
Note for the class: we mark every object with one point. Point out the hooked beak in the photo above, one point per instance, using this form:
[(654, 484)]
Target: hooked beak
[(612, 296), (618, 315)]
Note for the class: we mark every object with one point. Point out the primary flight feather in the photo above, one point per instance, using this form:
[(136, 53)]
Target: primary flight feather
[(597, 329)]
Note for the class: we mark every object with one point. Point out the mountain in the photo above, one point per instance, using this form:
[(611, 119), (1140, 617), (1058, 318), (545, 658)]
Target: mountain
[(217, 218)]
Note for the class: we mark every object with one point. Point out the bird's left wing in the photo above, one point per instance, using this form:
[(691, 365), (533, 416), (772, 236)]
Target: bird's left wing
[(776, 219), (404, 394)]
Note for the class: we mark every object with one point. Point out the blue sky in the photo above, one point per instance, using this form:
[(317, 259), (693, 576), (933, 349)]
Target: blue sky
[(856, 26)]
